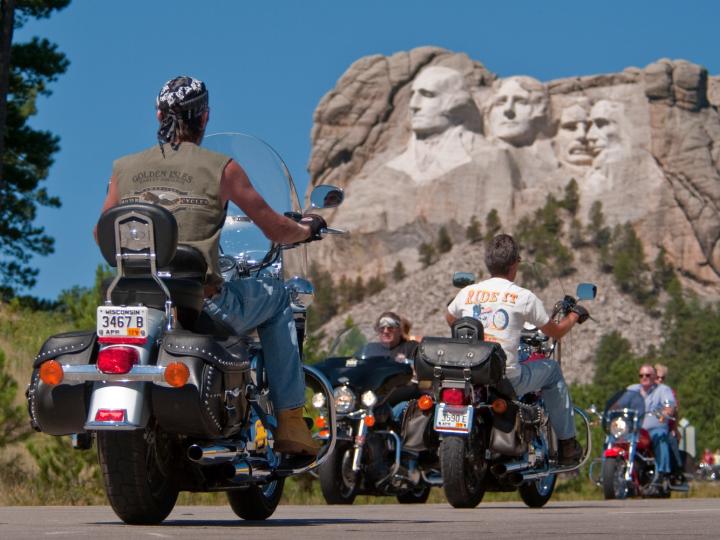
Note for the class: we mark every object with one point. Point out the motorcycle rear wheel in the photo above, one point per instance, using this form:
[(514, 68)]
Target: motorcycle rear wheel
[(335, 476), (613, 479), (463, 481), (417, 496), (256, 503), (134, 466), (537, 493)]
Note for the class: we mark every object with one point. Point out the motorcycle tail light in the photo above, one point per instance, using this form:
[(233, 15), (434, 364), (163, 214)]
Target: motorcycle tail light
[(453, 396), (110, 415), (51, 372), (425, 403), (117, 359)]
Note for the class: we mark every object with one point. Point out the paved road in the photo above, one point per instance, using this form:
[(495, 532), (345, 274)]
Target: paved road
[(674, 518)]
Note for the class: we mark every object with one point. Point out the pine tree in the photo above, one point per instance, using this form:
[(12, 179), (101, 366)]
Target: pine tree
[(571, 201), (26, 154), (473, 232), (444, 243), (428, 254), (492, 225), (374, 285), (13, 418), (398, 272)]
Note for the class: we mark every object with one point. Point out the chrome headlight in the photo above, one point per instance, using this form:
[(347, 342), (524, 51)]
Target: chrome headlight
[(318, 400), (619, 427), (369, 399), (344, 399)]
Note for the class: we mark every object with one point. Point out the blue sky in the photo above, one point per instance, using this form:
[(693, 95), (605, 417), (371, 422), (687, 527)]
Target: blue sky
[(268, 63)]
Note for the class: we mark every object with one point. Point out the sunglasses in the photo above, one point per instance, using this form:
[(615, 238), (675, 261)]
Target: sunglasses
[(643, 375), (386, 328)]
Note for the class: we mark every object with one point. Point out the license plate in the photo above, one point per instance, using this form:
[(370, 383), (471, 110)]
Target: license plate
[(122, 321), (453, 419)]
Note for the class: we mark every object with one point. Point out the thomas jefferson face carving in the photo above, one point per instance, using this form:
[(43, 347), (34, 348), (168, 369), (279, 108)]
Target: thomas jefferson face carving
[(572, 137), (437, 98), (518, 110), (605, 135)]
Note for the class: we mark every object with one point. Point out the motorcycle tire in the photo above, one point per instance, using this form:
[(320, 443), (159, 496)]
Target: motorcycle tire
[(463, 484), (134, 465), (613, 479), (417, 496), (537, 493), (334, 476), (256, 503)]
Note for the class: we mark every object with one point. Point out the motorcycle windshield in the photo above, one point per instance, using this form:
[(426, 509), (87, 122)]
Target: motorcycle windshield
[(240, 237), (373, 350), (625, 399)]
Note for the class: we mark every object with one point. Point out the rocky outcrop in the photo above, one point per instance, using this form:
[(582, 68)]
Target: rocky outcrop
[(429, 137)]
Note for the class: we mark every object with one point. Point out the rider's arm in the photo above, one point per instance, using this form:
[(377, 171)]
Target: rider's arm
[(559, 329), (235, 186), (450, 318), (111, 199)]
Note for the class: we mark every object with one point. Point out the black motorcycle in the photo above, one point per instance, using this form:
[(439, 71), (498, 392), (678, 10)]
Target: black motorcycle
[(370, 457), (174, 400), (490, 439)]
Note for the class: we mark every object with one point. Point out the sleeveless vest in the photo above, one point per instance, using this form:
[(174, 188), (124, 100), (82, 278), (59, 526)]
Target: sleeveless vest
[(186, 182)]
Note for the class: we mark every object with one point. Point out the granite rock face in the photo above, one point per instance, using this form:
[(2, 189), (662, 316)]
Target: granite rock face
[(429, 137)]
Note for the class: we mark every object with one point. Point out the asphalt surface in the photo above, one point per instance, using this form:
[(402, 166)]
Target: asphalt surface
[(673, 518)]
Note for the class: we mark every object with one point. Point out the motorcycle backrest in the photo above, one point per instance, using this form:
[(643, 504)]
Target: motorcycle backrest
[(135, 232), (468, 328)]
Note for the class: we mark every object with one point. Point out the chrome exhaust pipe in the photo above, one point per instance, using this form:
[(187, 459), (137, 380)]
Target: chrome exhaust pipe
[(207, 455), (501, 469), (434, 479), (238, 471)]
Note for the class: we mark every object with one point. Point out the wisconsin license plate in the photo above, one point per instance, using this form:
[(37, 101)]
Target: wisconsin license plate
[(453, 419), (122, 321)]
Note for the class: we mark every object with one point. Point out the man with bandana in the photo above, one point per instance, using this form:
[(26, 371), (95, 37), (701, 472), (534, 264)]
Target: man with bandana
[(206, 181)]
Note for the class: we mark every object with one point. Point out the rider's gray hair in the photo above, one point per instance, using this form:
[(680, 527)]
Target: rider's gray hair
[(500, 254)]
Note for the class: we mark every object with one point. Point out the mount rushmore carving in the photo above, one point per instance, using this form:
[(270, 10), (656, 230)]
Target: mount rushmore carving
[(428, 138)]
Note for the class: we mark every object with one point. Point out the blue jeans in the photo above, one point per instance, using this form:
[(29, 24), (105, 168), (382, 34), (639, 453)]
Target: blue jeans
[(547, 376), (263, 303), (659, 436)]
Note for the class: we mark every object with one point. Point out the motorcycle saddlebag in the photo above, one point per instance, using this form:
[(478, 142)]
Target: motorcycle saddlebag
[(61, 409), (198, 409), (480, 362)]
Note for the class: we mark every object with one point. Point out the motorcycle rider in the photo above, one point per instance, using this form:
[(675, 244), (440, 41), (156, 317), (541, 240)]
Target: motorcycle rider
[(503, 307), (658, 397), (393, 336), (196, 184)]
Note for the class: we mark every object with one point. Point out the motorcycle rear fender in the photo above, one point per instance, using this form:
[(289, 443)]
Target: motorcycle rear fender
[(129, 397), (613, 452)]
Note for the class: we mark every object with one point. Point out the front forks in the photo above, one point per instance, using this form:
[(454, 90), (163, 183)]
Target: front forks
[(359, 444)]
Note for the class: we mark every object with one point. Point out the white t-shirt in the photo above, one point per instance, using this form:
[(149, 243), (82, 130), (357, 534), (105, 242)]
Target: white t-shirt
[(502, 307)]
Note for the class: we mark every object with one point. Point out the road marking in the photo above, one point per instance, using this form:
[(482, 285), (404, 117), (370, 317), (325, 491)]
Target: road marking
[(159, 535)]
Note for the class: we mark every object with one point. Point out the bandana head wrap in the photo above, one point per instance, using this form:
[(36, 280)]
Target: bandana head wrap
[(181, 98)]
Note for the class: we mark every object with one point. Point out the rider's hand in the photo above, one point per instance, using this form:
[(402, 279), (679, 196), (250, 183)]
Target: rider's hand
[(582, 313), (316, 224)]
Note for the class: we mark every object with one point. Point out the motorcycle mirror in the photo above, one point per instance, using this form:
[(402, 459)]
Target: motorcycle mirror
[(326, 196), (463, 279), (586, 291)]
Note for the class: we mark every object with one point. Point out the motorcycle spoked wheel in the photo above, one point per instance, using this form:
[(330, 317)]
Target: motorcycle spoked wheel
[(463, 477), (613, 479), (537, 493), (135, 467), (337, 480), (419, 495), (256, 503)]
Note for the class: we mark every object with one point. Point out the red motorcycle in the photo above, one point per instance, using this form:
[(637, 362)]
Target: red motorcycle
[(628, 466)]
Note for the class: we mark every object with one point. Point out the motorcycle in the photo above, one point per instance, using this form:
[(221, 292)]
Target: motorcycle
[(489, 438), (174, 400), (370, 457), (627, 465)]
